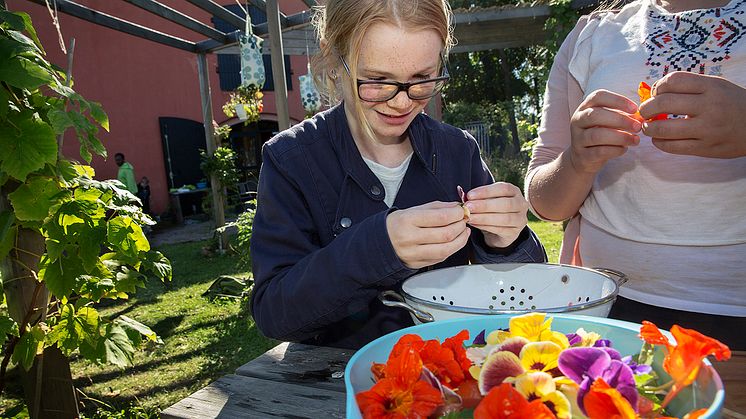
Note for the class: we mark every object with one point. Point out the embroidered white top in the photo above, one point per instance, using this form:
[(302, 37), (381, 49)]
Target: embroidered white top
[(674, 224)]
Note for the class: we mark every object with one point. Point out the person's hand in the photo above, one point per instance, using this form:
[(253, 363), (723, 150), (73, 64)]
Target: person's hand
[(499, 210), (602, 128), (427, 234), (713, 107)]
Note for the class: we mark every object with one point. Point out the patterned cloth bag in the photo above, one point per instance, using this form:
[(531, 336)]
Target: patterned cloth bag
[(252, 64), (309, 96)]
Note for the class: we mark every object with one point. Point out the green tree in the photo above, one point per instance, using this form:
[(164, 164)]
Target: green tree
[(67, 241)]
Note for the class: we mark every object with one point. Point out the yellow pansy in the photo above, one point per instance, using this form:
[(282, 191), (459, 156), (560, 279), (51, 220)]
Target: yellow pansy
[(540, 356), (539, 385)]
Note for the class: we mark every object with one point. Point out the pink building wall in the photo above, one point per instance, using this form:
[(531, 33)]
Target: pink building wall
[(137, 81)]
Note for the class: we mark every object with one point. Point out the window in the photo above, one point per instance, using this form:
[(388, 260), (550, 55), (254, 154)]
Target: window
[(229, 65)]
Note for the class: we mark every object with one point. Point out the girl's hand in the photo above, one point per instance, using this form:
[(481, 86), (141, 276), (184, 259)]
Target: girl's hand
[(499, 210), (714, 108), (427, 234), (602, 128)]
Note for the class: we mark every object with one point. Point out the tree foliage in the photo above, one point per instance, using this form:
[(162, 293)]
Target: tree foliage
[(93, 243)]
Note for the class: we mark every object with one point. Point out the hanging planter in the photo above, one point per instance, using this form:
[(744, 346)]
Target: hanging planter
[(309, 96), (246, 101)]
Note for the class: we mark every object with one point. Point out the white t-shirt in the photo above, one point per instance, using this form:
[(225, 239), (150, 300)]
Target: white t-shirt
[(676, 225), (390, 177)]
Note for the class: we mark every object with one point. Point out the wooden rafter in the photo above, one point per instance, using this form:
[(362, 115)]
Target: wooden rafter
[(99, 18), (177, 17), (219, 11)]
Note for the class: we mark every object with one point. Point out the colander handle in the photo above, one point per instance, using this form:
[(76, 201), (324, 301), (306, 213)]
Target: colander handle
[(620, 279), (385, 296)]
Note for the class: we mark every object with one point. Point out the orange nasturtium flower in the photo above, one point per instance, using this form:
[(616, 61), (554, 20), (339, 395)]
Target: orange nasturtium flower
[(683, 360), (447, 361), (401, 394), (644, 91), (505, 402), (606, 402)]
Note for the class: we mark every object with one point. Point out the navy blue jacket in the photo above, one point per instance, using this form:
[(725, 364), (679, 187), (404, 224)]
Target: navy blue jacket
[(319, 247)]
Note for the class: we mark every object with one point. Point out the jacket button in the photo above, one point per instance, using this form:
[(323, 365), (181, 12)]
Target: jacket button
[(345, 222), (375, 190)]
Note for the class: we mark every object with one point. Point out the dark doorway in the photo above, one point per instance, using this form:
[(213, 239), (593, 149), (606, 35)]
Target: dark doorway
[(183, 139)]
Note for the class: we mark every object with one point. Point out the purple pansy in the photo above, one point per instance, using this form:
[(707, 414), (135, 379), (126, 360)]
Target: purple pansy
[(583, 365), (479, 339), (636, 368), (574, 338)]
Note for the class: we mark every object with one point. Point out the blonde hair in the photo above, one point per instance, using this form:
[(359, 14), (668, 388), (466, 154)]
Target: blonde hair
[(342, 24)]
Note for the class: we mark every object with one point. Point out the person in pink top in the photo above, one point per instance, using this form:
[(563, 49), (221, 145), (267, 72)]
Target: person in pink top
[(660, 199)]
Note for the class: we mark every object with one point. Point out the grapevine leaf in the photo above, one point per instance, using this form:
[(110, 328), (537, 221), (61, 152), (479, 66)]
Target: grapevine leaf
[(139, 329), (60, 275), (33, 199), (98, 114), (59, 120), (30, 345), (127, 237), (13, 20), (8, 231), (7, 327), (4, 105), (74, 328), (24, 73), (27, 145), (155, 262), (127, 280), (118, 349)]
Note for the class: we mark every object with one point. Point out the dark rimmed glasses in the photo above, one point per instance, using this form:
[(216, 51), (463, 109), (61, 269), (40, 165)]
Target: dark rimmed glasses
[(383, 91)]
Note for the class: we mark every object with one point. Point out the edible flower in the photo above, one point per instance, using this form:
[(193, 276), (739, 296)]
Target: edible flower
[(604, 402), (683, 359), (505, 402), (645, 92), (401, 393)]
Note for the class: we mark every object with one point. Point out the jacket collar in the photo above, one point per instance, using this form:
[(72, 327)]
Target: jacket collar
[(344, 145)]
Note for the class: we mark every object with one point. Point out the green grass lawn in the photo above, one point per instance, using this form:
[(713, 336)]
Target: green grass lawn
[(202, 340)]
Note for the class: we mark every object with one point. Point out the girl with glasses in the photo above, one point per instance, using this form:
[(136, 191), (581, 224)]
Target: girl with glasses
[(362, 196)]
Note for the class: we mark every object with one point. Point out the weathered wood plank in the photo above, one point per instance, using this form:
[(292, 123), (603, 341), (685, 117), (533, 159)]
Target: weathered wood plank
[(235, 396), (300, 364)]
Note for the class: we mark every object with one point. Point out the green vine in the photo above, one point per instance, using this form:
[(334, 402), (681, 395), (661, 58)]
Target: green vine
[(222, 164), (93, 243)]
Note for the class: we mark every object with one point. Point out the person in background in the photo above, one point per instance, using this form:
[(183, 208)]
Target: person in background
[(360, 197), (126, 173), (143, 192), (659, 194)]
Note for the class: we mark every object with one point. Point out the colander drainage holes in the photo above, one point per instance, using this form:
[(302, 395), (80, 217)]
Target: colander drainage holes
[(530, 297), (450, 302), (587, 299), (435, 298), (494, 297), (565, 279)]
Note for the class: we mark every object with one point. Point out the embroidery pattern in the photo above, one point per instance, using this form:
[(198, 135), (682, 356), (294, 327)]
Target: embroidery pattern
[(697, 41)]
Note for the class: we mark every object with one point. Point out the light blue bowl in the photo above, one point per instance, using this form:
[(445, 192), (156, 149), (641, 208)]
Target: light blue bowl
[(706, 392)]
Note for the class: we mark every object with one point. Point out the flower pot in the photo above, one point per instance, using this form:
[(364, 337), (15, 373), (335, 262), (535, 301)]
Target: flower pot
[(241, 112)]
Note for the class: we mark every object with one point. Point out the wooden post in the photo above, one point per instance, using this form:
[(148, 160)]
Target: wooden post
[(278, 65), (218, 209)]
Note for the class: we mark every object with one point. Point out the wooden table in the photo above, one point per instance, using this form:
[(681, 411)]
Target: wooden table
[(290, 380)]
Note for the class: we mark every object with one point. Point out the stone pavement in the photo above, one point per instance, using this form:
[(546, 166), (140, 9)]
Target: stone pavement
[(191, 230)]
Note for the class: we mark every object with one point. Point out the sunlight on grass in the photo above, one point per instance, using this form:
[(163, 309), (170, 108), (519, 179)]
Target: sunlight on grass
[(550, 235)]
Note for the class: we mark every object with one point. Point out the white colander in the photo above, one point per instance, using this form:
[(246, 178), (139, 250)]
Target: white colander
[(506, 288)]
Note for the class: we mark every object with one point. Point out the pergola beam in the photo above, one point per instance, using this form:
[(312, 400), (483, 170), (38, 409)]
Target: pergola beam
[(179, 18), (102, 19), (219, 11)]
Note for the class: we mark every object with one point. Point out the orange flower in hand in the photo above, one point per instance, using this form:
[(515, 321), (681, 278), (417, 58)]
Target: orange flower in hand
[(606, 402), (684, 358), (503, 402), (645, 92), (401, 393)]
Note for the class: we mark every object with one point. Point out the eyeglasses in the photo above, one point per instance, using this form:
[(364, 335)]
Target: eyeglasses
[(383, 91)]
